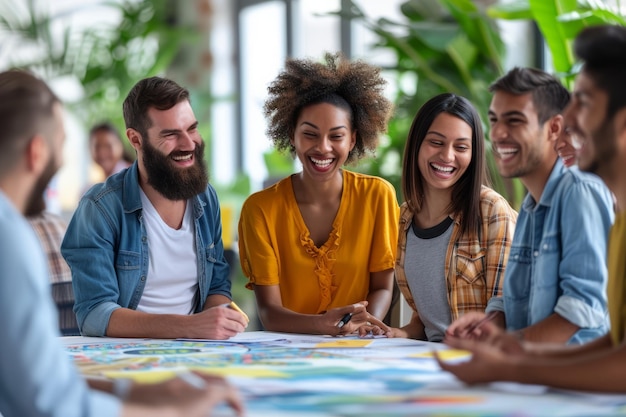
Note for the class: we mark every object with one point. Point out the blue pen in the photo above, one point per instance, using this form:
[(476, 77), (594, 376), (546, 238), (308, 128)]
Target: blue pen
[(344, 320)]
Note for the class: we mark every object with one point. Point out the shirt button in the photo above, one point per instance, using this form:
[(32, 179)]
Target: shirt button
[(545, 246), (143, 278), (536, 253), (143, 239)]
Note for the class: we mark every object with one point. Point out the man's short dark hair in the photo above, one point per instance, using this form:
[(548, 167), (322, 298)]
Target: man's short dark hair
[(549, 96), (603, 51), (157, 92), (26, 104)]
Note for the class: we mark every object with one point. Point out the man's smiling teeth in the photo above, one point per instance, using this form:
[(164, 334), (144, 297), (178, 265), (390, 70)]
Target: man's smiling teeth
[(182, 157), (442, 168), (506, 151), (322, 162)]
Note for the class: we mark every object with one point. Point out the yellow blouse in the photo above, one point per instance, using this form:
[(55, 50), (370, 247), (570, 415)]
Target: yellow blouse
[(616, 287), (275, 246)]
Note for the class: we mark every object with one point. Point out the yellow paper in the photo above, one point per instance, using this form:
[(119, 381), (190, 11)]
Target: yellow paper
[(341, 343), (152, 377), (444, 354)]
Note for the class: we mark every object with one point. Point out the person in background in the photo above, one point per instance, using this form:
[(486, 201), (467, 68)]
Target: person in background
[(145, 247), (319, 246), (37, 377), (597, 116), (566, 146), (50, 229), (455, 232), (555, 280), (107, 149)]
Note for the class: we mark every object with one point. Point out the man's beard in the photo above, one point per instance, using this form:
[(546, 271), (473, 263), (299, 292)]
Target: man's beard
[(170, 181), (36, 203)]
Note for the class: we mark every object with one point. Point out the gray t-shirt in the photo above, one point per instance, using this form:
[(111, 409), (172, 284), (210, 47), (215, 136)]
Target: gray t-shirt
[(424, 267)]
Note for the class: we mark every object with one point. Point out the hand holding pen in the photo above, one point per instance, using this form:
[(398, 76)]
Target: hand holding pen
[(218, 322), (344, 320), (356, 318)]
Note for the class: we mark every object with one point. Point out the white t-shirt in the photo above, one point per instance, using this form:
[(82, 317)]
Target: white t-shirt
[(172, 282)]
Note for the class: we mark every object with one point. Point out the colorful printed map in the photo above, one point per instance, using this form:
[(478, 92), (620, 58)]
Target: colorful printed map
[(287, 375)]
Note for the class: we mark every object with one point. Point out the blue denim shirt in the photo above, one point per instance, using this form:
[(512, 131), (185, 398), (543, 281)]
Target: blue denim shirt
[(106, 246), (557, 262)]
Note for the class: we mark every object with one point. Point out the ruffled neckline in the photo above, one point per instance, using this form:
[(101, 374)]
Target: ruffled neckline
[(325, 255)]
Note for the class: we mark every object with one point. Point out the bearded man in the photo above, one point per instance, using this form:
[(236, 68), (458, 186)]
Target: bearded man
[(145, 247)]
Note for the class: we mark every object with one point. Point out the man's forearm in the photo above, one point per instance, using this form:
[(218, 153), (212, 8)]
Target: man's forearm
[(125, 322), (215, 300), (553, 329)]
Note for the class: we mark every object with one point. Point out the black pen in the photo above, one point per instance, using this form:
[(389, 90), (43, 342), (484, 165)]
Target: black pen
[(344, 320)]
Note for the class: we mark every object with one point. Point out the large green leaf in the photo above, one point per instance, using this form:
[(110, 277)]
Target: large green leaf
[(478, 29), (572, 23), (546, 13), (463, 53), (518, 10), (434, 34)]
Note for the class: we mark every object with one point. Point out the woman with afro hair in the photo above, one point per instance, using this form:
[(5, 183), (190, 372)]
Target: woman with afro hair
[(319, 246)]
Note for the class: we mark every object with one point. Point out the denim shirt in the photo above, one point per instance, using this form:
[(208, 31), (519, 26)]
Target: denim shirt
[(557, 262), (106, 246)]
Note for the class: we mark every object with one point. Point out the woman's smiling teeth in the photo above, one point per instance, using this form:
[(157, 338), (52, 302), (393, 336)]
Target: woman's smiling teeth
[(442, 168), (322, 163)]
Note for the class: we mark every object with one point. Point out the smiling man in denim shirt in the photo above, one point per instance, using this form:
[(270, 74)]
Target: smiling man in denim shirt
[(145, 247), (555, 281)]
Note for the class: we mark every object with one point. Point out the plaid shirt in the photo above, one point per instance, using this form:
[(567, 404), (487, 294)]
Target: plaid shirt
[(475, 262), (50, 230)]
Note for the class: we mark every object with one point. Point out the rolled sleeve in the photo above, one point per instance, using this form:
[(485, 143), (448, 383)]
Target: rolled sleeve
[(97, 320), (580, 313)]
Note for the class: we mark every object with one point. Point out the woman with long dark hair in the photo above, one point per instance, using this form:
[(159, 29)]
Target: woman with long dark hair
[(455, 231)]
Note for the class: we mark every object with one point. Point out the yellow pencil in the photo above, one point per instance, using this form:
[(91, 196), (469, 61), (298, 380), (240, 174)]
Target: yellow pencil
[(236, 308)]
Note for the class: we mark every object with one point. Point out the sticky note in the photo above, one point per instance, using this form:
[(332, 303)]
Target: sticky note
[(343, 343), (444, 354)]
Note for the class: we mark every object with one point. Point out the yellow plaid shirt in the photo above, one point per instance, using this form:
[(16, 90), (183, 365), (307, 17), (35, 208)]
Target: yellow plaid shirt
[(475, 261)]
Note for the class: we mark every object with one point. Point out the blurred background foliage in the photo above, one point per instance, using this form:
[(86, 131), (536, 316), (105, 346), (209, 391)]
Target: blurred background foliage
[(104, 61), (559, 22)]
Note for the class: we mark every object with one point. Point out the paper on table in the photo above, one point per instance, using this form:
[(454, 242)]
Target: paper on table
[(344, 343), (596, 398), (445, 354)]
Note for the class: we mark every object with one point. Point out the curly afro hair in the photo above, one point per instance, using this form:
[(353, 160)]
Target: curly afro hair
[(338, 81)]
